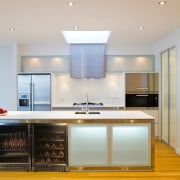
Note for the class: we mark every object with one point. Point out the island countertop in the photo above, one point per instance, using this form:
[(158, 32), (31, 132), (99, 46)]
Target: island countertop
[(120, 140), (66, 116)]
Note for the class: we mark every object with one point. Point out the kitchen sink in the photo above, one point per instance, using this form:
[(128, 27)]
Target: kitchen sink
[(84, 112), (80, 112), (94, 112)]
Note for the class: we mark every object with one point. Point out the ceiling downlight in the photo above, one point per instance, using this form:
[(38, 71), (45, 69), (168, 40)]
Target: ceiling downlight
[(11, 29), (162, 3), (141, 28), (70, 3)]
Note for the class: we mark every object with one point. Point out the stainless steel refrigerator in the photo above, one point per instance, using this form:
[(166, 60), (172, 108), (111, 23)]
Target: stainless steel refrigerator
[(34, 92)]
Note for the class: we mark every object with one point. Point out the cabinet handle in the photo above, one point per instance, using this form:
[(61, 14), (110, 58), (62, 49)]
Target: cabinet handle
[(142, 95), (142, 88)]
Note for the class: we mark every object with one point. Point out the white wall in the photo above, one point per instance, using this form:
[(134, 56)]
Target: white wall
[(110, 90), (173, 39), (129, 49), (8, 67), (44, 50), (111, 49)]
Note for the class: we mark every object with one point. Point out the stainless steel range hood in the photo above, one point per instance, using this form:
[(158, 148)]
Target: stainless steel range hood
[(87, 60)]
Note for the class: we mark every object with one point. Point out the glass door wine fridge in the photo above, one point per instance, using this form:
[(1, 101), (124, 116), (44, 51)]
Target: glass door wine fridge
[(15, 152), (50, 147)]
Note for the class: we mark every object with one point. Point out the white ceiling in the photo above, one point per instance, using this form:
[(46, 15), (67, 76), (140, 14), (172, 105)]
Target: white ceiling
[(41, 21)]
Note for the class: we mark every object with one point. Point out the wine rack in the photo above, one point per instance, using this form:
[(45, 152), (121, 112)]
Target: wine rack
[(15, 148), (50, 147)]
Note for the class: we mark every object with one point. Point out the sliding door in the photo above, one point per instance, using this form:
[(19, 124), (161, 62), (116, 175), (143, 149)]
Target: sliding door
[(172, 99), (165, 97), (168, 103)]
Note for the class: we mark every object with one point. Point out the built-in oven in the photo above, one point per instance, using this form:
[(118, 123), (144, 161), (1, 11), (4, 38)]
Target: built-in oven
[(141, 100)]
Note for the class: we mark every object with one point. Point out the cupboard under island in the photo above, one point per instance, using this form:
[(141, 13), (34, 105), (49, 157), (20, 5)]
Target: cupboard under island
[(76, 141)]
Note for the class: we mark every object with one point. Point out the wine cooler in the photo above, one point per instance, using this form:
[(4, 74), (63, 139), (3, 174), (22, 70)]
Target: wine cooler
[(15, 152), (49, 147)]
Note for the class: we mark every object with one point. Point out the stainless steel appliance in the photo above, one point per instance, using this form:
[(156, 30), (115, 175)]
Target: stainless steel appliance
[(49, 147), (87, 60), (141, 100), (15, 151), (141, 89), (33, 147), (34, 92)]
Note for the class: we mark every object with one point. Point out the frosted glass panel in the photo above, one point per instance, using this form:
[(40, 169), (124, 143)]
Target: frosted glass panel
[(165, 99), (88, 145), (168, 59), (131, 145), (172, 98)]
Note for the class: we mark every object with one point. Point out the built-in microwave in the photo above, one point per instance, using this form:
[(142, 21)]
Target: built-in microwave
[(141, 100)]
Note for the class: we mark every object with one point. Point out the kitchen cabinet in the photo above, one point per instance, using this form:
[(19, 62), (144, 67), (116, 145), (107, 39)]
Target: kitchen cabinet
[(141, 82), (152, 112), (88, 145), (155, 114), (116, 140), (118, 145), (131, 145)]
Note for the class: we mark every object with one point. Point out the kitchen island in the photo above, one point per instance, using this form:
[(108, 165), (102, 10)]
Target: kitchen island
[(77, 141)]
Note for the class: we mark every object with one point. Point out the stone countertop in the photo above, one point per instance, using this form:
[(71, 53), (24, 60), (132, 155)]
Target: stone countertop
[(70, 116), (91, 106)]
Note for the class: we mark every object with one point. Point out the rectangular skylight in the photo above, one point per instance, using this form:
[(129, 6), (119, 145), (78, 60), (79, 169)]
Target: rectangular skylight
[(83, 37)]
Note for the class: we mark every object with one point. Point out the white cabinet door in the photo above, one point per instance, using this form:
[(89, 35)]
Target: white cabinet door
[(88, 145), (131, 145), (155, 114), (110, 146)]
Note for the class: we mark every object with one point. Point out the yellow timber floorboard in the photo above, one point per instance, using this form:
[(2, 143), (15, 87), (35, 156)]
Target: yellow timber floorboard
[(167, 167)]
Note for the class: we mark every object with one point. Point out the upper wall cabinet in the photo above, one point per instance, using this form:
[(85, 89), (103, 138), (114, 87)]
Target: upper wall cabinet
[(54, 64), (141, 83), (129, 63)]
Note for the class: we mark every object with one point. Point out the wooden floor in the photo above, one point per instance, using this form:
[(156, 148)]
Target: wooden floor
[(167, 167)]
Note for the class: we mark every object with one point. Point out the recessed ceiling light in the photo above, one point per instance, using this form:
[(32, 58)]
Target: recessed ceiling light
[(162, 3), (12, 29), (70, 3), (141, 28), (76, 28)]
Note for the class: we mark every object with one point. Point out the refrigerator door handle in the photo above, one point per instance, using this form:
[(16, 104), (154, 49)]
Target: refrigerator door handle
[(32, 96)]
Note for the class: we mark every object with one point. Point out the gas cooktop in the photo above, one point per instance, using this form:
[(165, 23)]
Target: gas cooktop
[(89, 104)]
